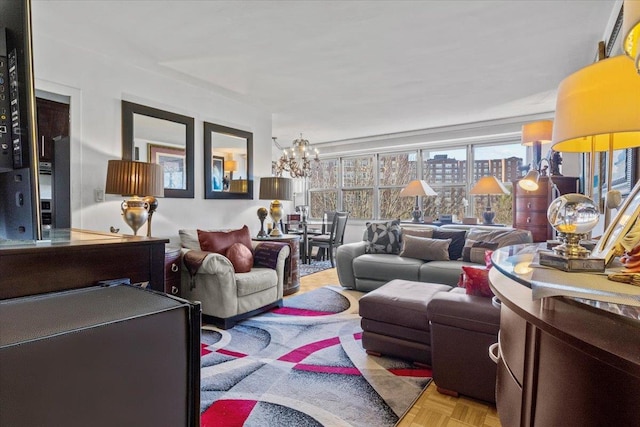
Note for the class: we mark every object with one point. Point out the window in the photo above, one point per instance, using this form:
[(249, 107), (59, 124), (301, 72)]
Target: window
[(323, 185), (395, 171), (505, 163), (357, 186), (446, 173), (369, 185)]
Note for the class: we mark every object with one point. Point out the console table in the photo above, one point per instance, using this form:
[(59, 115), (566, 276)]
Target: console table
[(74, 259), (562, 361)]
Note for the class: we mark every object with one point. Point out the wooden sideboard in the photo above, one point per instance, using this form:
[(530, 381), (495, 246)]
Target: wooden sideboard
[(530, 207), (564, 363), (76, 259)]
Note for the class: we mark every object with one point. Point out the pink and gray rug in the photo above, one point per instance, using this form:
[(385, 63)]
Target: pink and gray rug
[(303, 365)]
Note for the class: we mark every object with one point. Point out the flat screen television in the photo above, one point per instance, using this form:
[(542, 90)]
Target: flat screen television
[(19, 198)]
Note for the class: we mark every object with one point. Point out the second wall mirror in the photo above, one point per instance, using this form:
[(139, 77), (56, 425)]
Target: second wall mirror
[(158, 136), (227, 162)]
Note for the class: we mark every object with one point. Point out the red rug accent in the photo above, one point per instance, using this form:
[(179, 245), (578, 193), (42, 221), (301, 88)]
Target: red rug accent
[(290, 311), (301, 353), (328, 369), (227, 413), (231, 353), (204, 350)]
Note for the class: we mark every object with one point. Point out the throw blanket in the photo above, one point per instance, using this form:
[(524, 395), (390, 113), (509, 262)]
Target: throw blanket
[(193, 260)]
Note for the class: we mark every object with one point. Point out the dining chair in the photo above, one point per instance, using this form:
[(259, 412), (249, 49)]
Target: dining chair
[(334, 238)]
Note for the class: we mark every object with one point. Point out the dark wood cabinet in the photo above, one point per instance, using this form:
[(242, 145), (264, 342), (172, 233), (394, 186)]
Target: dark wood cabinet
[(564, 363), (80, 259), (53, 121), (172, 267), (530, 207)]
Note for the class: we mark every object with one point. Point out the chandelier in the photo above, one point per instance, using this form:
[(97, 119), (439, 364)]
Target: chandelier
[(297, 159)]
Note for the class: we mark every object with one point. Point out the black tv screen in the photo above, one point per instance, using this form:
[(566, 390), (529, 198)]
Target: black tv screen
[(19, 199)]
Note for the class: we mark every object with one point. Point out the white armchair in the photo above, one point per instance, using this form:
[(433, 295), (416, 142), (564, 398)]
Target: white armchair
[(227, 296)]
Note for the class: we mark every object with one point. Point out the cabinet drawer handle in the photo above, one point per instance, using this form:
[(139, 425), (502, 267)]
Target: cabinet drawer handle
[(494, 352), (528, 219), (174, 290), (174, 268), (529, 205)]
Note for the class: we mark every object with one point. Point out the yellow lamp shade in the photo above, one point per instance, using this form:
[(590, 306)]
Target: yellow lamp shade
[(539, 131), (631, 30), (598, 108)]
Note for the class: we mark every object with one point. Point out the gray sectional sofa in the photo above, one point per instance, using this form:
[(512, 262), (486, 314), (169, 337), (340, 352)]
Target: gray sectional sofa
[(365, 271), (420, 314)]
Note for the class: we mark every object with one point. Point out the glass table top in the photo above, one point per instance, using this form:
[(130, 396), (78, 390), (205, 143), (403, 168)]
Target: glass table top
[(520, 263)]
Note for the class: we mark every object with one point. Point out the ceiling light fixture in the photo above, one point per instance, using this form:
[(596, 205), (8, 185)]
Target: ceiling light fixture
[(297, 159)]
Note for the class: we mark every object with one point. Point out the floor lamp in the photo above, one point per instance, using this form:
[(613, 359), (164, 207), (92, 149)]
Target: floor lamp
[(598, 110)]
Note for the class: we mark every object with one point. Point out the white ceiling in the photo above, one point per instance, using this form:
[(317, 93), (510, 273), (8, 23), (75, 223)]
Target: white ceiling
[(343, 69)]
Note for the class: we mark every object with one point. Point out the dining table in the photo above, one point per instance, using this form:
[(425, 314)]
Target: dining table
[(306, 229)]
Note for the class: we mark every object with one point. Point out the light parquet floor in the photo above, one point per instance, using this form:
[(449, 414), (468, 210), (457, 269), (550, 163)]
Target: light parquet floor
[(431, 408)]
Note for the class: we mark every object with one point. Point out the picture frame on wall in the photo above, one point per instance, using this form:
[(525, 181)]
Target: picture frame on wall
[(173, 162), (217, 173)]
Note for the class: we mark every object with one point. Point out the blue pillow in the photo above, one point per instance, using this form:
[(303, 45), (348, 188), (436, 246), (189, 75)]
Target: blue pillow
[(457, 241)]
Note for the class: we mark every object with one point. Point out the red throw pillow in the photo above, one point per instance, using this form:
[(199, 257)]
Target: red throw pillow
[(220, 241), (241, 257), (476, 281)]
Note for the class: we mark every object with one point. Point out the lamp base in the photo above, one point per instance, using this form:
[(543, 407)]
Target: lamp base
[(487, 217), (135, 212), (416, 213), (276, 212)]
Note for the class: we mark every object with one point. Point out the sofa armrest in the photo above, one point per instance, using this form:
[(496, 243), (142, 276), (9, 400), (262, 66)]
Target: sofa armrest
[(345, 254), (457, 309)]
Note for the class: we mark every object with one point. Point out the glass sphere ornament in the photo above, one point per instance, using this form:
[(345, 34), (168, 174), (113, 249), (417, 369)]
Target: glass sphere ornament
[(573, 216)]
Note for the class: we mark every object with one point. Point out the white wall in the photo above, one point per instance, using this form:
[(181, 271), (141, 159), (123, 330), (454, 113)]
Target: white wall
[(96, 85)]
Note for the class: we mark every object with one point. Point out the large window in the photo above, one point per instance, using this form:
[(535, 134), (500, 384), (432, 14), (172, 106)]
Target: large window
[(368, 186), (358, 179), (323, 183)]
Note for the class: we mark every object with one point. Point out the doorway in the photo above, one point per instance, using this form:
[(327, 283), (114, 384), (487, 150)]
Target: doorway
[(54, 157)]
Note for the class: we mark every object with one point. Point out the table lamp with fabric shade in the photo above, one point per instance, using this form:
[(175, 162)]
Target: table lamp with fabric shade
[(143, 182), (631, 31), (598, 109), (489, 185), (536, 134), (417, 188), (276, 189)]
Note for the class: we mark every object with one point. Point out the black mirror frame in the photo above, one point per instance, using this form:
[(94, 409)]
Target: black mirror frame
[(129, 109), (208, 191)]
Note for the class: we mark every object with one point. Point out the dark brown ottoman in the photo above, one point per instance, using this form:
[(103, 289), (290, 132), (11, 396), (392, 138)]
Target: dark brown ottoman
[(394, 319)]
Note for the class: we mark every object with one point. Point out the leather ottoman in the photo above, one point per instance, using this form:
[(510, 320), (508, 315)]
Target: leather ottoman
[(394, 319)]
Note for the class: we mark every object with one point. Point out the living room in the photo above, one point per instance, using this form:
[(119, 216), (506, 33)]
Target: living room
[(82, 59)]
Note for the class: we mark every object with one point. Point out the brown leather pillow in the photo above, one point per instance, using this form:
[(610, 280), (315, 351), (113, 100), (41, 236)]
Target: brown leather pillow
[(220, 241), (241, 257)]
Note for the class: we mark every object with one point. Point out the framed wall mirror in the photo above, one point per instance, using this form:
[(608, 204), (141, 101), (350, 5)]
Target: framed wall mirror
[(227, 162), (158, 136)]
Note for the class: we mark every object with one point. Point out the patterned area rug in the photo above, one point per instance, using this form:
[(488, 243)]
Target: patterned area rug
[(314, 267), (303, 365)]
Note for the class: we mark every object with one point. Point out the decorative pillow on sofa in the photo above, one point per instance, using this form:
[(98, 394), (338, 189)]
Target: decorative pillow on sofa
[(418, 232), (220, 241), (473, 251), (383, 238), (476, 281), (457, 241), (425, 248), (241, 257)]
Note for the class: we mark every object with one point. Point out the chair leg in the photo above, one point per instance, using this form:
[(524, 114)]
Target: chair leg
[(330, 250)]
